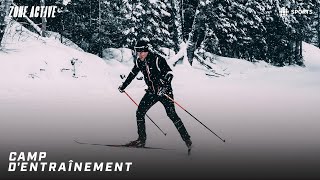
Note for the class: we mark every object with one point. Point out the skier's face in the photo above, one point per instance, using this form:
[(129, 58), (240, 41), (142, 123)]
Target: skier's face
[(142, 55)]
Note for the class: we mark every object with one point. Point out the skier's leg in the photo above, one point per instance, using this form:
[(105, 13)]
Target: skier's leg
[(145, 104), (171, 112)]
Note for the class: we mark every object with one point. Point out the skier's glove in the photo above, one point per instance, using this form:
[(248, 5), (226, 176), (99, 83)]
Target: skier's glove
[(121, 89), (167, 79), (162, 91)]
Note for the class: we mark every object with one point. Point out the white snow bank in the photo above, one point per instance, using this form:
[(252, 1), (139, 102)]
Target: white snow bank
[(311, 54), (123, 55), (28, 56)]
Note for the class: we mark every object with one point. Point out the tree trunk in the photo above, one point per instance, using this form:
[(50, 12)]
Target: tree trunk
[(182, 19), (2, 22), (4, 9), (319, 24), (44, 21), (177, 29), (99, 35), (300, 52), (291, 52), (191, 45), (297, 51), (62, 27)]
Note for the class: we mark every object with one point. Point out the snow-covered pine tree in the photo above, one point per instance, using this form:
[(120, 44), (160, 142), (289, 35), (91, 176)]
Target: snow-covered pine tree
[(290, 33), (94, 25), (130, 14), (238, 39), (252, 30), (118, 10), (161, 14), (43, 21), (148, 20), (211, 40), (220, 28), (257, 13), (309, 22)]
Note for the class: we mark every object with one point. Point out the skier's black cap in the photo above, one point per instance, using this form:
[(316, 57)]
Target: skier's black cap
[(142, 46)]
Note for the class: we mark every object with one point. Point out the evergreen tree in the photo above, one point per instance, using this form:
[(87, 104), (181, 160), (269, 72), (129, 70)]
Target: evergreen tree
[(148, 20), (249, 29), (93, 25), (252, 30)]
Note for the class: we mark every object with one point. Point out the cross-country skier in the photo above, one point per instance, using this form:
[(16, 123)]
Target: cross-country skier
[(158, 76)]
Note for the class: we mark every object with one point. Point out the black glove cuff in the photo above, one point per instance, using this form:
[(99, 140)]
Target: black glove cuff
[(168, 78), (121, 87)]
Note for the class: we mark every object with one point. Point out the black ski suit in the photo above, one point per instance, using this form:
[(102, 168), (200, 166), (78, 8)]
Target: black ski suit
[(154, 69)]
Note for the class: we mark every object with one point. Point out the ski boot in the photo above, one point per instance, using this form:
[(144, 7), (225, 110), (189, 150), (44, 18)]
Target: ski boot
[(137, 143), (189, 145)]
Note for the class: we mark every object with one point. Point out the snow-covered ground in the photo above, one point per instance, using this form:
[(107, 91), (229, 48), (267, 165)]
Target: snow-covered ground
[(268, 115)]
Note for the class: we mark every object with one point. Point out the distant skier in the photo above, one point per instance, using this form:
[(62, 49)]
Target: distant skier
[(157, 75)]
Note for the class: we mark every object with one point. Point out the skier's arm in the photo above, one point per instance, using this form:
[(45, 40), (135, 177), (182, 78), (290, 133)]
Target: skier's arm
[(166, 71), (134, 72)]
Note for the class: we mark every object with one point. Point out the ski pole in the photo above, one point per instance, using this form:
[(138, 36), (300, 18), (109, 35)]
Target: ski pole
[(146, 114), (193, 117)]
